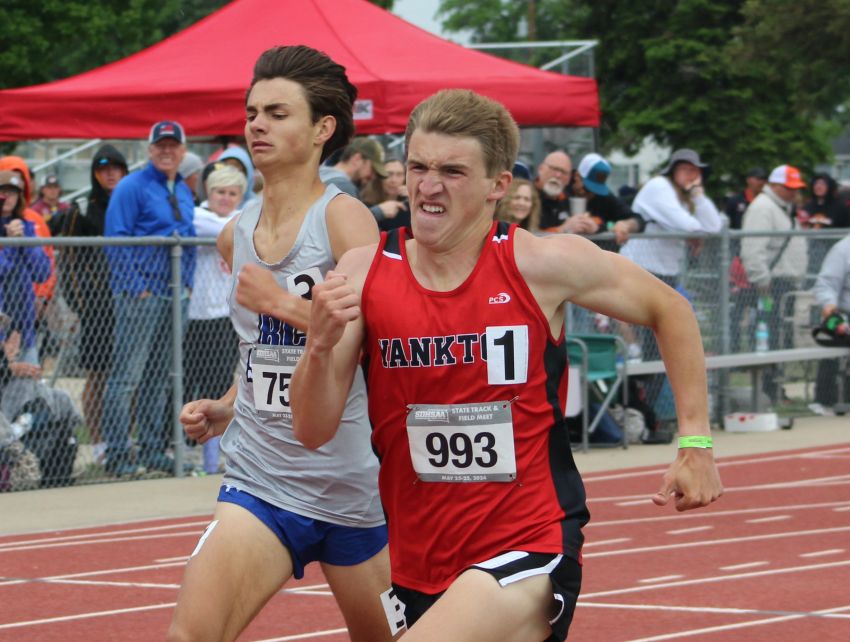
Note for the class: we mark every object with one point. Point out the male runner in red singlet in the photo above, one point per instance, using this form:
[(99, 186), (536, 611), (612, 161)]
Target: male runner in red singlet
[(461, 328)]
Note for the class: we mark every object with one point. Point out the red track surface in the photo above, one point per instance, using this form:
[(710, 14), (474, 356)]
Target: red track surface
[(769, 561)]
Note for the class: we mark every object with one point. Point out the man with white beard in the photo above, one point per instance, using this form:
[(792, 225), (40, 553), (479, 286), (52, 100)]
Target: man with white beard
[(553, 176)]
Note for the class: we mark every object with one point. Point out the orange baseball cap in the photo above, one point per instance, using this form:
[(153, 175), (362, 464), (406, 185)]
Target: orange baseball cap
[(788, 176)]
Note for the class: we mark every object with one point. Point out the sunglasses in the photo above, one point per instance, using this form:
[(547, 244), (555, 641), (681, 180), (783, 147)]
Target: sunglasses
[(175, 207)]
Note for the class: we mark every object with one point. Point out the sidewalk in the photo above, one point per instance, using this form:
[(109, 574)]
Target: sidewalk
[(93, 505)]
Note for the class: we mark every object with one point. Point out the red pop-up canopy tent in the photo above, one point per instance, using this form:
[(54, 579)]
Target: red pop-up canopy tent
[(199, 76)]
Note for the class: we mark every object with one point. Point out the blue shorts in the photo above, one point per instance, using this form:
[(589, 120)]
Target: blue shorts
[(311, 540)]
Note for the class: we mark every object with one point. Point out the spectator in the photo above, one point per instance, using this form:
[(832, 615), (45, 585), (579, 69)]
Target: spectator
[(48, 203), (391, 188), (85, 285), (607, 212), (43, 290), (520, 205), (553, 174), (736, 205), (20, 267), (236, 156), (832, 293), (209, 331), (521, 170), (775, 265), (362, 159), (152, 202), (672, 202), (825, 210), (190, 169)]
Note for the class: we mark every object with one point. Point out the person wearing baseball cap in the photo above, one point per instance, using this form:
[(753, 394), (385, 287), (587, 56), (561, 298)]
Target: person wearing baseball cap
[(48, 203), (774, 265), (609, 214), (360, 162), (154, 201)]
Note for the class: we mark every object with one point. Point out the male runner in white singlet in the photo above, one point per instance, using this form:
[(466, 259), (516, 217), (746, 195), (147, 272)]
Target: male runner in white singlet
[(282, 505)]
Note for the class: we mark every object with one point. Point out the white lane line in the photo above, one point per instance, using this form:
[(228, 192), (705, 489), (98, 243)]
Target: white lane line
[(165, 560), (843, 509), (720, 464), (814, 482), (719, 578), (306, 636), (762, 520), (105, 540), (605, 542), (706, 609), (99, 535), (308, 588), (663, 578), (636, 502), (728, 540), (831, 551), (83, 616), (738, 625), (106, 571), (841, 506), (113, 583), (738, 567), (693, 529)]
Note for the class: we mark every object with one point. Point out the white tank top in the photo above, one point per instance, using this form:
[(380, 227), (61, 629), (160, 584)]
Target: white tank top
[(337, 483)]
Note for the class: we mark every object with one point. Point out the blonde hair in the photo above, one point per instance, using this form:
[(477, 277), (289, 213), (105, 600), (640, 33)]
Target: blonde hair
[(227, 176), (460, 112), (503, 209)]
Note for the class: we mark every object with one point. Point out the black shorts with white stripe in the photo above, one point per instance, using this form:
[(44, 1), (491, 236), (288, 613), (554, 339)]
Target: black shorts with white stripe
[(563, 572)]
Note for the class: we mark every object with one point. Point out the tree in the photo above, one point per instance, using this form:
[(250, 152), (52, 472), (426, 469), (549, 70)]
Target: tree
[(669, 70), (809, 45), (68, 37)]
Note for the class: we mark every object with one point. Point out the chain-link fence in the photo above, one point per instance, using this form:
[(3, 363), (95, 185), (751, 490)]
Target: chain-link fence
[(737, 316), (95, 367), (103, 340)]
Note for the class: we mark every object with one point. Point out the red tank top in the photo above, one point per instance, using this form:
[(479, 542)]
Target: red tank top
[(466, 391)]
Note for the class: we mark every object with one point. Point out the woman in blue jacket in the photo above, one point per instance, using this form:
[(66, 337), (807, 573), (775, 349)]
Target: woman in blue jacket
[(20, 267)]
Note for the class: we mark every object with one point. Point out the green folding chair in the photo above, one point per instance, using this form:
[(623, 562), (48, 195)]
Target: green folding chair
[(597, 356)]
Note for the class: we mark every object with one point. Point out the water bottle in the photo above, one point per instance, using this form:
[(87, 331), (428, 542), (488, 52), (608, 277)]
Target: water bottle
[(762, 337)]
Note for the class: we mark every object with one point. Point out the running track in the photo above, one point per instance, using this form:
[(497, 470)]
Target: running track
[(769, 561)]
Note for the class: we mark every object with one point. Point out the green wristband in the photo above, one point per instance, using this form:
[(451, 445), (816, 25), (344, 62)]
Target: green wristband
[(697, 441)]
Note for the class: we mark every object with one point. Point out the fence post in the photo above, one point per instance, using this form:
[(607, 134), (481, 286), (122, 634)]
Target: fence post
[(722, 406), (177, 355)]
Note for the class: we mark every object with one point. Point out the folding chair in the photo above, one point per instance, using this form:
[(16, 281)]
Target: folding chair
[(596, 355)]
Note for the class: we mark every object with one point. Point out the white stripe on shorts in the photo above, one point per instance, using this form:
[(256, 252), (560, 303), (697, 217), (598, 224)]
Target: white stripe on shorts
[(501, 560), (531, 572)]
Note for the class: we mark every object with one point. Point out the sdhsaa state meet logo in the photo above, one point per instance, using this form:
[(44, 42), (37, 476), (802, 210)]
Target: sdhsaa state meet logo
[(502, 297), (364, 109)]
